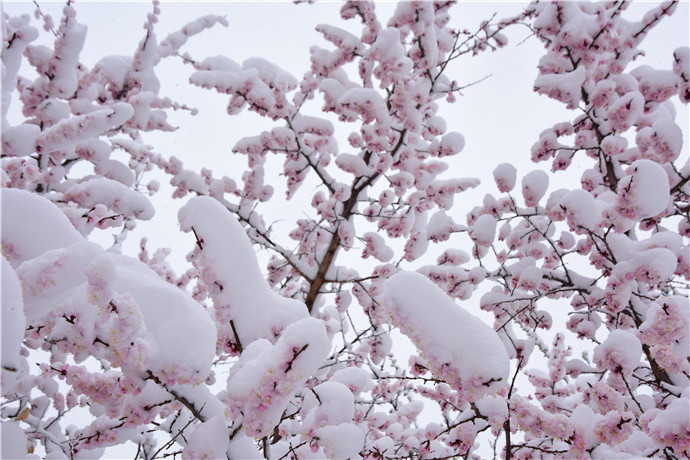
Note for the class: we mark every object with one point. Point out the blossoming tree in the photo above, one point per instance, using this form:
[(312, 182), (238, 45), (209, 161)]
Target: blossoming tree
[(223, 359)]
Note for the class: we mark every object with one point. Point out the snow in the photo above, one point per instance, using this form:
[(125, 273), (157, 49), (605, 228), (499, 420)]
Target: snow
[(332, 90), (179, 334), (13, 323), (376, 247), (530, 278), (208, 440), (115, 70), (365, 102), (644, 190), (51, 278), (330, 403), (495, 408), (484, 230), (220, 62), (681, 67), (450, 144), (228, 262), (505, 175), (243, 447), (534, 185), (453, 256), (175, 40), (314, 125), (66, 56), (661, 142), (70, 131), (384, 445), (113, 194), (14, 442), (401, 181), (353, 164), (26, 235), (258, 82), (614, 145), (341, 38), (354, 378), (638, 444), (12, 57), (440, 227), (620, 352), (189, 180), (417, 243), (442, 191), (651, 265), (387, 47), (341, 441), (262, 382), (117, 171), (581, 209), (624, 112), (447, 336), (656, 85), (271, 73), (180, 328), (583, 419), (98, 151), (672, 425), (20, 140), (565, 87), (52, 110), (222, 80)]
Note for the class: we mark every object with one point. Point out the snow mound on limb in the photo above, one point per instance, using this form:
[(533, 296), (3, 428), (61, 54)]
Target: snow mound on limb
[(670, 426), (208, 440), (113, 194), (53, 277), (262, 382), (330, 403), (184, 333), (228, 262), (620, 352), (26, 235), (60, 273), (341, 441), (447, 336), (644, 191), (178, 336)]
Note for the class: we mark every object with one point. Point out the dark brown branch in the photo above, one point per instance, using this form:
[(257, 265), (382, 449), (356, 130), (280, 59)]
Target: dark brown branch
[(509, 447), (237, 337), (199, 241), (185, 402), (334, 244), (659, 372)]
